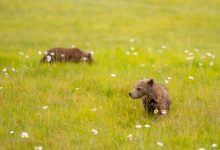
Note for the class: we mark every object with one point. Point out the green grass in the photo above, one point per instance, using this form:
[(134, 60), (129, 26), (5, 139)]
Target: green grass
[(106, 27)]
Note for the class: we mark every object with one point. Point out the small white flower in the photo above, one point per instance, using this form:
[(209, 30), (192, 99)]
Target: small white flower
[(76, 88), (211, 63), (130, 137), (164, 112), (94, 131), (48, 58), (166, 81), (14, 70), (186, 51), (92, 52), (94, 109), (113, 75), (132, 40), (45, 52), (39, 52), (138, 126), (1, 87), (190, 57), (127, 53), (163, 46), (169, 78), (132, 48), (190, 54), (11, 132), (142, 65), (209, 54), (214, 145), (191, 77), (156, 111), (6, 74), (201, 148), (24, 135), (52, 53), (147, 126), (73, 46), (160, 51), (150, 49), (4, 69), (196, 49), (45, 107), (38, 147), (202, 57), (160, 144), (21, 53), (200, 64), (26, 56), (213, 56), (135, 53)]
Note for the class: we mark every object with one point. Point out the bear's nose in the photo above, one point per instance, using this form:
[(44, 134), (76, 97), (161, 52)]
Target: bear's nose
[(129, 93)]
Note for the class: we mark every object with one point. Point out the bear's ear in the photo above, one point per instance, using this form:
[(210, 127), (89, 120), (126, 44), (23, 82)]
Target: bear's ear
[(88, 54), (150, 82)]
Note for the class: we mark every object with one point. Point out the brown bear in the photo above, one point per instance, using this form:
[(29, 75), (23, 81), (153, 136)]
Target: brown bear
[(155, 97), (66, 55)]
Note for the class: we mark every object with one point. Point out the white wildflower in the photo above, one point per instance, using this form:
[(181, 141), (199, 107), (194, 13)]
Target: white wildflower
[(150, 49), (94, 109), (113, 75), (169, 78), (1, 87), (132, 48), (201, 148), (127, 53), (73, 46), (132, 40), (214, 145), (14, 70), (163, 46), (38, 147), (6, 74), (147, 126), (200, 64), (76, 88), (160, 144), (94, 131), (21, 53), (211, 63), (135, 53), (186, 51), (27, 56), (138, 126), (11, 132), (4, 69), (209, 54), (92, 52), (130, 137), (166, 81), (39, 52), (24, 135), (142, 65), (191, 77), (156, 111), (45, 107)]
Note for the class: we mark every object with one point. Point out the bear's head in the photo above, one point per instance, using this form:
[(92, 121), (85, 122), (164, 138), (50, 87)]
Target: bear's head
[(87, 57), (141, 88)]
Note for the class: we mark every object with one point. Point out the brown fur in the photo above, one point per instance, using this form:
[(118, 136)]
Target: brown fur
[(154, 96), (66, 55)]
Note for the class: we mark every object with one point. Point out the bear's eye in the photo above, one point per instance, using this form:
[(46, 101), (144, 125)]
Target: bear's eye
[(138, 89)]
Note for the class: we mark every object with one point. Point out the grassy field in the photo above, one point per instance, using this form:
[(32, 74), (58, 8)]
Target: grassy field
[(61, 106)]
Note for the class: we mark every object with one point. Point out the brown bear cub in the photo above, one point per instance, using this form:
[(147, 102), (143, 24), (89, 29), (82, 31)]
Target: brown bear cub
[(155, 97), (66, 55)]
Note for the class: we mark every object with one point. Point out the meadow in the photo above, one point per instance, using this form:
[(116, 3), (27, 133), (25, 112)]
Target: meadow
[(82, 106)]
